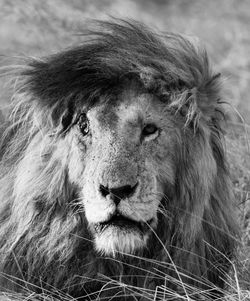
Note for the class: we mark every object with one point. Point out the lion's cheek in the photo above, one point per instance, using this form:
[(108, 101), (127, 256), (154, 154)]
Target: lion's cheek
[(162, 160), (98, 211), (138, 210)]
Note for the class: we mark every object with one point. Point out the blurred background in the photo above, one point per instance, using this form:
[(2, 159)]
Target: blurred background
[(40, 27)]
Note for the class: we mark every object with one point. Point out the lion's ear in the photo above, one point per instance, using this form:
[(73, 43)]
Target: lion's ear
[(208, 97), (201, 103)]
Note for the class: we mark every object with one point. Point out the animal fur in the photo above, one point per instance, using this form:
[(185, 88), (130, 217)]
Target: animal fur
[(45, 241)]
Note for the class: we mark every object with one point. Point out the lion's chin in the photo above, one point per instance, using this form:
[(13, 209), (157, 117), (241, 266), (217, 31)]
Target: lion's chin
[(116, 240)]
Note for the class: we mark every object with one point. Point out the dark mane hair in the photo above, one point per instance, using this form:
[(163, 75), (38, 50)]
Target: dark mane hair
[(44, 244)]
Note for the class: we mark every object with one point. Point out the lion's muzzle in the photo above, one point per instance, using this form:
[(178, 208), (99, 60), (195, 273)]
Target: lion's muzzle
[(123, 223)]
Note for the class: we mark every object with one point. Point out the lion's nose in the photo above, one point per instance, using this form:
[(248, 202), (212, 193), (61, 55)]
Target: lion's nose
[(118, 193)]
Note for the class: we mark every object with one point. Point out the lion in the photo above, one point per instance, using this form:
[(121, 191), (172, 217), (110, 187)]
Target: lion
[(114, 179)]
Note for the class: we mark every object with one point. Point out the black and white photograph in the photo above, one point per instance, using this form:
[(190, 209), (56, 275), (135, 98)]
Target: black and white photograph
[(124, 150)]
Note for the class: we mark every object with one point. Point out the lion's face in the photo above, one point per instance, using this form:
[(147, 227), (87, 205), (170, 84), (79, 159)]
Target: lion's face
[(120, 156)]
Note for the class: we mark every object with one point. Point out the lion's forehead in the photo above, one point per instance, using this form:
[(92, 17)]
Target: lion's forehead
[(129, 111)]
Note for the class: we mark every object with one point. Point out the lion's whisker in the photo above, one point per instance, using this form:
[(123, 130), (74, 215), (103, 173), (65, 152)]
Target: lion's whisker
[(193, 215)]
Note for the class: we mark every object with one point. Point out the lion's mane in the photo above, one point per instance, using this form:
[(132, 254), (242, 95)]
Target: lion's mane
[(45, 244)]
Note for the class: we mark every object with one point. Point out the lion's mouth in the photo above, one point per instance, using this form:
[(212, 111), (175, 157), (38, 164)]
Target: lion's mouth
[(124, 223)]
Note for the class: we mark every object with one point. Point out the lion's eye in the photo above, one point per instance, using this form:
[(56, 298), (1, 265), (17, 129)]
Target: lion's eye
[(149, 129), (83, 124)]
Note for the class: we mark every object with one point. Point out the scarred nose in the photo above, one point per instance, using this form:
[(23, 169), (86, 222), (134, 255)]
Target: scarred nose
[(118, 193)]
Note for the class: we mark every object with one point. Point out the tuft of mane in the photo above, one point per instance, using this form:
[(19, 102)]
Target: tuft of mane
[(45, 245)]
